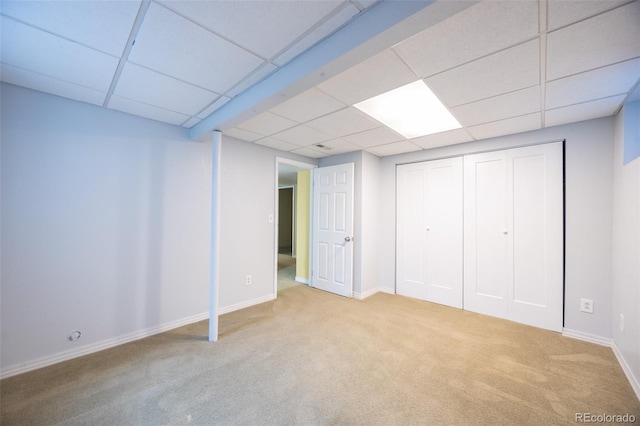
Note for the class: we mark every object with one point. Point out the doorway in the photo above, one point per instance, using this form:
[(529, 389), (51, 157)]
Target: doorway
[(293, 219), (286, 234)]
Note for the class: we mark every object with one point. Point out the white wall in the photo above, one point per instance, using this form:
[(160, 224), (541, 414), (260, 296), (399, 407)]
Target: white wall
[(247, 239), (370, 219), (626, 254), (589, 195), (105, 227)]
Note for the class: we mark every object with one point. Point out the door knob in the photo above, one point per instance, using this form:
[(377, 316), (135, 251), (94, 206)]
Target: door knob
[(505, 232), (347, 239)]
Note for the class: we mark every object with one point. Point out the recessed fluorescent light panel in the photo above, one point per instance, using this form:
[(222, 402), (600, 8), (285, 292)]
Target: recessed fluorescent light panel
[(411, 110)]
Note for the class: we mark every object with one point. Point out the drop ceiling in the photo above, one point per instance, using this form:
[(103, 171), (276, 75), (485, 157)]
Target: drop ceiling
[(500, 67)]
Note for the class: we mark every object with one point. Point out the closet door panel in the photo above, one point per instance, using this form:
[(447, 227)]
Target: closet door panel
[(536, 290), (443, 219), (485, 233), (429, 231)]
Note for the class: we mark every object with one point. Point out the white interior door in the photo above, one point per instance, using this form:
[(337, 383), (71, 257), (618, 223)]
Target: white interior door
[(429, 246), (332, 229)]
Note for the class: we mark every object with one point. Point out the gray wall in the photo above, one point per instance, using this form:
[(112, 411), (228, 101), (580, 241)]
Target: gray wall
[(626, 253), (247, 239), (105, 227)]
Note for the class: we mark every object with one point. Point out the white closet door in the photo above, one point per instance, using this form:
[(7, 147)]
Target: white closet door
[(535, 291), (429, 255), (485, 233), (513, 224)]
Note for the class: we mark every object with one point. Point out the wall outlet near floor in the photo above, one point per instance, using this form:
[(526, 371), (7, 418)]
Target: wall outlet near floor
[(621, 323), (586, 305), (74, 335), (247, 280)]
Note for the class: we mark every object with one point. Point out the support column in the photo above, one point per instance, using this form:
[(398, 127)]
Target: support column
[(215, 237)]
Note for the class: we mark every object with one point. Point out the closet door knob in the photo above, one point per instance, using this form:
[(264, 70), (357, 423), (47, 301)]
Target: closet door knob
[(505, 232)]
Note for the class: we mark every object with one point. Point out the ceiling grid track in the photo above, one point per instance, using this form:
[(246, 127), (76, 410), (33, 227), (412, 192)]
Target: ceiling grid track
[(144, 6), (543, 58)]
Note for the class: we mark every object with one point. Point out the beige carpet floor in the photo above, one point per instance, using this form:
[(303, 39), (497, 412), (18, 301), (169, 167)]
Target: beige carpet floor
[(312, 358), (286, 272)]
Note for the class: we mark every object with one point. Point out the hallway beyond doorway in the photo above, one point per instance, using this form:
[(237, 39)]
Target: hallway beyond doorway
[(286, 272)]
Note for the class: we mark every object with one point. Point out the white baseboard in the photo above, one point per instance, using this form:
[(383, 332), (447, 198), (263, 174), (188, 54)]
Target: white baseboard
[(635, 381), (386, 290), (248, 303), (365, 294), (591, 338), (302, 280), (98, 346)]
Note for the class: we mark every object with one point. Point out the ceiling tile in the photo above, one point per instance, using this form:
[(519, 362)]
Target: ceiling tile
[(264, 27), (509, 105), (141, 84), (276, 144), (480, 30), (214, 106), (509, 126), (585, 111), (600, 83), (302, 136), (243, 135), (253, 78), (308, 105), (32, 80), (148, 111), (451, 137), (103, 25), (326, 28), (267, 124), (602, 40), (503, 72), (394, 148), (344, 122), (372, 77), (374, 137), (41, 52), (563, 12), (339, 146), (309, 151), (189, 52)]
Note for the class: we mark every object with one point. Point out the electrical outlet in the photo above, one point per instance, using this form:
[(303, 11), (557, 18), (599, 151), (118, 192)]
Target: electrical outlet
[(74, 335), (621, 323), (247, 280), (586, 305)]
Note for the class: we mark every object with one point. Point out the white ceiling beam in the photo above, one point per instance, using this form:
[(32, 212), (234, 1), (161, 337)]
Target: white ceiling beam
[(375, 30)]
